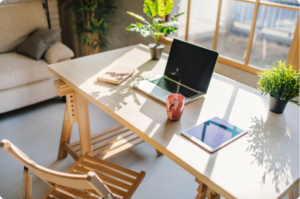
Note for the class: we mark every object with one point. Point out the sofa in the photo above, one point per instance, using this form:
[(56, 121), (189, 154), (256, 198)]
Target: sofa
[(23, 80)]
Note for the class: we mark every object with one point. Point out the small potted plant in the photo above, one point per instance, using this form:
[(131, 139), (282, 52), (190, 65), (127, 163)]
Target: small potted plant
[(157, 11), (282, 84)]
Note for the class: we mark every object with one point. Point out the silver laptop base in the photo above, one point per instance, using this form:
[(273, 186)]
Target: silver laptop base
[(159, 93)]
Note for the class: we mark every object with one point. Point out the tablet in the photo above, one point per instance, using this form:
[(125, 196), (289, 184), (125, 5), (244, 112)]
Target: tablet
[(213, 134)]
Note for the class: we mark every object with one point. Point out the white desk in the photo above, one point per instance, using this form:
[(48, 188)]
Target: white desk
[(262, 164)]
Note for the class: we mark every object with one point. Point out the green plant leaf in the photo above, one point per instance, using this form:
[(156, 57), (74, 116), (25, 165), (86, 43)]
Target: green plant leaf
[(136, 16), (87, 40), (168, 6), (139, 25), (158, 34), (281, 81), (146, 33), (158, 21), (160, 7), (91, 20), (168, 30), (149, 8), (176, 16), (172, 23), (296, 102), (100, 22), (165, 27), (133, 27), (145, 30), (159, 27)]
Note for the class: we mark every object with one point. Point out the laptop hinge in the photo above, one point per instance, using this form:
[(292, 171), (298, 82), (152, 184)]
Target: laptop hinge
[(183, 85)]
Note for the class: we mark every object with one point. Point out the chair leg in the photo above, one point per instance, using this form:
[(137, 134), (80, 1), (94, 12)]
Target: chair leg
[(27, 184)]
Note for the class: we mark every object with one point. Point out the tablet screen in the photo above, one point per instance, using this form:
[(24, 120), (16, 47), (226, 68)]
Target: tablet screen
[(213, 132)]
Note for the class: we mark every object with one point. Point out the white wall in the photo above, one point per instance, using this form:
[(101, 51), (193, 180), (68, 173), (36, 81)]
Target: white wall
[(53, 10), (13, 1)]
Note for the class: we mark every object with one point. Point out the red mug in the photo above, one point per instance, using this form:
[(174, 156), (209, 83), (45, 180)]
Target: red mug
[(175, 106)]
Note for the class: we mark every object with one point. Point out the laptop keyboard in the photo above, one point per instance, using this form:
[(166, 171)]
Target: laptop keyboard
[(173, 87)]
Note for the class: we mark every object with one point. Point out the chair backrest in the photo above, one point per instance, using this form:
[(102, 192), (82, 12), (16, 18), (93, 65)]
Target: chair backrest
[(18, 21), (83, 182)]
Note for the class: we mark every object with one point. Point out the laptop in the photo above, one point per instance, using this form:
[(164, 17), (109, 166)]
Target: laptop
[(188, 72)]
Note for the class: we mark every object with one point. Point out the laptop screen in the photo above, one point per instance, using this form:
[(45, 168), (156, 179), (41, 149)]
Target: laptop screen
[(191, 65)]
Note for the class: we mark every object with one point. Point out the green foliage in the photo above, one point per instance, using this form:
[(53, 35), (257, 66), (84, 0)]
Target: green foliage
[(150, 8), (280, 82), (176, 16), (136, 16), (159, 26), (160, 7), (168, 6), (145, 30), (92, 24)]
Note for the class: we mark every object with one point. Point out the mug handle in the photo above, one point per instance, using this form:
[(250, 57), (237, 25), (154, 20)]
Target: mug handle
[(171, 110)]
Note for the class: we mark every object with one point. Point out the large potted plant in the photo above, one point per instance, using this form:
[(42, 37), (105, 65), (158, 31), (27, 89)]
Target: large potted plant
[(157, 11), (282, 84), (92, 22)]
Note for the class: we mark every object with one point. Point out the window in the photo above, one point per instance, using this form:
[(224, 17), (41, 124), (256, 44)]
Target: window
[(248, 34)]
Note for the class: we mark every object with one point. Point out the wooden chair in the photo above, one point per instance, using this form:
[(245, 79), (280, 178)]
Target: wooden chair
[(88, 178)]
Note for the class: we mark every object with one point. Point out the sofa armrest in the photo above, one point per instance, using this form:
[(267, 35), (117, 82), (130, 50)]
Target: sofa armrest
[(58, 52)]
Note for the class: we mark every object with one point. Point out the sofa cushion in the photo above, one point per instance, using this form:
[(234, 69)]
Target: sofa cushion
[(36, 45), (18, 21), (17, 70), (58, 52)]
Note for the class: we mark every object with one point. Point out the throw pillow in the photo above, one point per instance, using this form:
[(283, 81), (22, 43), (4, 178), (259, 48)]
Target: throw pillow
[(36, 45), (58, 52)]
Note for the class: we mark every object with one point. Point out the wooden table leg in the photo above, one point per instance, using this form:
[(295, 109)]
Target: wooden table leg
[(205, 192), (291, 194), (83, 124), (65, 136), (77, 111), (158, 153), (202, 190)]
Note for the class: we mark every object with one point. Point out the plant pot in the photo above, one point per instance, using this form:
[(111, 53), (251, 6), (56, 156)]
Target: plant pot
[(156, 51), (277, 105)]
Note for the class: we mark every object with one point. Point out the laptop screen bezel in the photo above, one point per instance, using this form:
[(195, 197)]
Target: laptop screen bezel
[(187, 43)]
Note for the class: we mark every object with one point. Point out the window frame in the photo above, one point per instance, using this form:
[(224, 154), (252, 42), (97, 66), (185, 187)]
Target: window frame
[(294, 49)]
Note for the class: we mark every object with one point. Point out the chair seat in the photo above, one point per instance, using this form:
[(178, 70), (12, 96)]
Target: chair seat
[(120, 181), (88, 178)]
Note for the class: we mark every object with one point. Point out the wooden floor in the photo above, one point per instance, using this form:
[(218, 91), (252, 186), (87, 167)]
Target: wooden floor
[(36, 131)]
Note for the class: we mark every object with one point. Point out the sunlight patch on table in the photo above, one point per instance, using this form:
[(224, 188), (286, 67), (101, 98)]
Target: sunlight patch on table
[(245, 107), (218, 97)]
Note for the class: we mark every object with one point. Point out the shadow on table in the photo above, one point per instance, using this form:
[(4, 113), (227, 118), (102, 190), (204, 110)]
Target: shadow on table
[(268, 147), (117, 94), (116, 97)]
